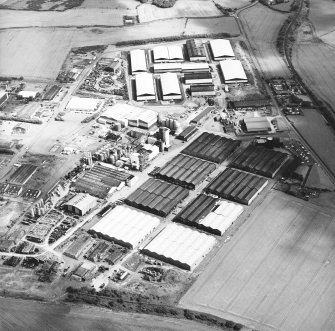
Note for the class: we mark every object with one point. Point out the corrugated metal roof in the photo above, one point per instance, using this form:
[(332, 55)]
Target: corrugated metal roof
[(144, 84), (221, 48), (195, 48), (127, 225), (138, 60), (175, 52), (170, 84), (161, 53), (232, 70), (82, 201)]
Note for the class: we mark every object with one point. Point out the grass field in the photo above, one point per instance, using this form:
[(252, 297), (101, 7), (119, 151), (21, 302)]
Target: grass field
[(322, 15), (182, 8), (277, 272), (262, 26), (29, 315)]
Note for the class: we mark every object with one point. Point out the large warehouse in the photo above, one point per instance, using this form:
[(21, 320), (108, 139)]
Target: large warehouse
[(195, 50), (260, 160), (167, 67), (172, 53), (198, 78), (101, 180), (170, 86), (210, 214), (257, 124), (180, 246), (138, 61), (89, 105), (186, 171), (81, 204), (130, 115), (212, 147), (236, 185), (233, 72), (221, 49), (194, 67), (145, 89), (126, 226), (157, 197)]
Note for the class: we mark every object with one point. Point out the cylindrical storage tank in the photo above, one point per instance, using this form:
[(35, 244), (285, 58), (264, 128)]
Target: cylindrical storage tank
[(119, 163), (117, 127), (32, 212), (161, 146)]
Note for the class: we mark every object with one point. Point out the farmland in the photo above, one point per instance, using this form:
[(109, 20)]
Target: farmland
[(322, 13), (261, 26), (182, 8), (32, 315), (276, 272)]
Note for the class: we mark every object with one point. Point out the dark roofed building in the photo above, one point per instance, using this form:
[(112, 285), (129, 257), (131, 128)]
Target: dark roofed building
[(202, 90), (188, 133), (198, 78), (195, 50)]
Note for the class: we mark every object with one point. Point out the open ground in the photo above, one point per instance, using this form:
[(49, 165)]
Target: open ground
[(277, 272)]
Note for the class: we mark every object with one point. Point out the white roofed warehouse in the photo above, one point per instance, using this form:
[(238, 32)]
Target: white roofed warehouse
[(126, 226), (233, 72), (171, 53), (145, 89), (221, 49), (81, 204), (180, 246), (170, 86), (138, 61)]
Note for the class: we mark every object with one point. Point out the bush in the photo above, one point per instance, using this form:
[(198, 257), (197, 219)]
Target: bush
[(188, 314), (230, 324), (164, 3)]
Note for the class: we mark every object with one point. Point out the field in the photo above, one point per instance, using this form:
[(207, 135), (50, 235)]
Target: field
[(312, 126), (182, 8), (276, 273), (322, 13), (261, 26), (22, 174), (32, 315), (315, 63)]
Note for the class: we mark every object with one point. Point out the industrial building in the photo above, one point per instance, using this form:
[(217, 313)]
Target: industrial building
[(126, 226), (128, 115), (102, 180), (186, 171), (260, 160), (28, 94), (221, 49), (171, 53), (202, 90), (203, 115), (3, 97), (257, 124), (170, 86), (81, 204), (237, 186), (198, 78), (180, 246), (249, 104), (167, 67), (195, 67), (157, 197), (145, 89), (233, 72), (188, 133), (79, 247), (209, 214), (195, 50), (212, 147), (89, 105), (138, 61)]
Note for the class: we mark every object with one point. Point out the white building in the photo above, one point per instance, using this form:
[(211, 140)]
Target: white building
[(171, 53), (170, 86), (180, 246), (233, 72), (3, 97), (88, 105), (221, 49), (28, 94), (126, 226), (145, 89), (81, 204), (138, 61)]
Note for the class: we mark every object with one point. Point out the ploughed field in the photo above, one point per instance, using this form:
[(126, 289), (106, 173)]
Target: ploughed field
[(277, 272)]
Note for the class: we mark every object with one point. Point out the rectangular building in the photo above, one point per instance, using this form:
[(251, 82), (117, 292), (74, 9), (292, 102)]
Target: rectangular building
[(221, 49), (202, 90), (170, 86), (198, 78), (195, 50), (171, 53), (3, 97), (145, 89), (194, 67), (167, 67), (138, 61), (233, 72)]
